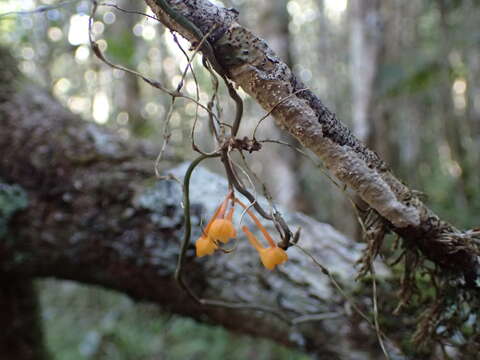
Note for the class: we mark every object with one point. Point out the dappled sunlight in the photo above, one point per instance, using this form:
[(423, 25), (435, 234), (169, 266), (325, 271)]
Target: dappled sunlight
[(336, 8), (78, 31), (15, 5), (79, 105), (459, 88), (62, 86), (122, 118), (82, 53), (55, 34), (101, 107)]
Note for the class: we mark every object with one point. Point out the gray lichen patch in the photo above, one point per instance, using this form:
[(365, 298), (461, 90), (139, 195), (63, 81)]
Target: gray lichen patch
[(12, 199), (164, 198), (164, 201)]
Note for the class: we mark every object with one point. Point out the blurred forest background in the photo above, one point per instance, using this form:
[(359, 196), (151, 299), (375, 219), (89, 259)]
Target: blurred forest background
[(404, 75)]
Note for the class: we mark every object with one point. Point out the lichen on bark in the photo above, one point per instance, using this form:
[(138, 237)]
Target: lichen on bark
[(12, 199)]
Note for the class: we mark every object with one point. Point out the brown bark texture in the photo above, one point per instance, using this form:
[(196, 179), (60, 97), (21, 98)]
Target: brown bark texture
[(253, 66), (21, 336), (97, 215)]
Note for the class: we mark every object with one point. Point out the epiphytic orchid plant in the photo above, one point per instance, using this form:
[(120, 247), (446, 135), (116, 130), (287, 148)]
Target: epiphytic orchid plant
[(220, 229)]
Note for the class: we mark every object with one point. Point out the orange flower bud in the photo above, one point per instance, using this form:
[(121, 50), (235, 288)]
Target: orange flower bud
[(222, 230), (272, 256), (205, 246)]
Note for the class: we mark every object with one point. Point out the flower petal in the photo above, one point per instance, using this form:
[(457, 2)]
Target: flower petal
[(205, 246), (272, 256), (222, 230)]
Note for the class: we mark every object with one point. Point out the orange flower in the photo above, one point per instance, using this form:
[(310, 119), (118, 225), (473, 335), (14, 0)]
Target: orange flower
[(205, 246), (270, 256), (218, 229), (222, 229)]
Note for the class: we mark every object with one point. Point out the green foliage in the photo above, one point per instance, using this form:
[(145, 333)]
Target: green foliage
[(85, 322), (12, 199), (122, 49), (442, 191), (396, 79)]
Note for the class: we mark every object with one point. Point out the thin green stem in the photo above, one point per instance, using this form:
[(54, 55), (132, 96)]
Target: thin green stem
[(187, 222)]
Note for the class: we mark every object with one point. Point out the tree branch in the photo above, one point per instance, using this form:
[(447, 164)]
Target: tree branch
[(252, 65)]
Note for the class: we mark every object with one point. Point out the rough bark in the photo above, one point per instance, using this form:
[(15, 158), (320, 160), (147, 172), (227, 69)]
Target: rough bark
[(96, 215), (253, 66)]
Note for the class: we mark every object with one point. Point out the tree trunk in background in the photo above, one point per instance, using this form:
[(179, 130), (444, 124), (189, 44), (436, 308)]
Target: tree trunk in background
[(473, 114), (279, 165), (21, 335), (272, 22), (132, 105), (453, 123), (396, 135), (461, 126), (473, 88), (365, 43), (472, 55), (127, 96)]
